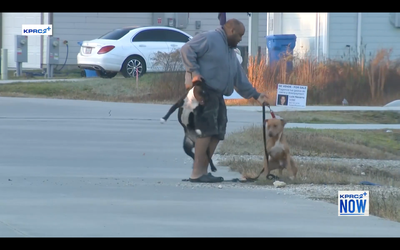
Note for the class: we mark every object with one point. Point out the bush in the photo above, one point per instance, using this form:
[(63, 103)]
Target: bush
[(375, 81), (361, 82), (168, 86)]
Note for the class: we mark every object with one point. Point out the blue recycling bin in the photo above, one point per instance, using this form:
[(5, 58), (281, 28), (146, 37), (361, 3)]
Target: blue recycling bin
[(280, 45), (88, 72)]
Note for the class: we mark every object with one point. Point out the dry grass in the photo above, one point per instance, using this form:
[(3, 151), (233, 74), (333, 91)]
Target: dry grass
[(374, 82), (364, 144), (342, 117), (118, 89), (152, 87)]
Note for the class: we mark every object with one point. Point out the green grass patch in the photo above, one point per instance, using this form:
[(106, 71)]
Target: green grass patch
[(367, 144), (116, 89)]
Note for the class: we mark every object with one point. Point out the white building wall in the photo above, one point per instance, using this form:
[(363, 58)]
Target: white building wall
[(342, 32), (12, 25), (303, 25), (75, 27), (378, 33), (210, 21), (306, 26)]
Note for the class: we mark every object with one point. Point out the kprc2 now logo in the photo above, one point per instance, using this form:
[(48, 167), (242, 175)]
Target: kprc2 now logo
[(37, 29), (353, 203)]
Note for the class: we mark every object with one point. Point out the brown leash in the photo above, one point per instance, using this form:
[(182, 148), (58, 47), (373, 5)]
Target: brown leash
[(264, 121)]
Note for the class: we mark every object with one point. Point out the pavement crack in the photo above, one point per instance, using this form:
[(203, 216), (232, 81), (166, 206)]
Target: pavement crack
[(13, 229)]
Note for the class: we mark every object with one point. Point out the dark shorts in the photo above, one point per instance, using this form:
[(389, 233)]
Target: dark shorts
[(212, 118)]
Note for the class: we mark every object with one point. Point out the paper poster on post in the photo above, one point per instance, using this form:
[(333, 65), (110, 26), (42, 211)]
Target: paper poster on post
[(293, 96)]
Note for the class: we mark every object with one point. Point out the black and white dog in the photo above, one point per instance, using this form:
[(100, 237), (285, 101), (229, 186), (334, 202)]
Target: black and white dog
[(190, 105)]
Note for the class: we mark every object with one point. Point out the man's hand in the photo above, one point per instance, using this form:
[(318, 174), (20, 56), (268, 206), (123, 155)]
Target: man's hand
[(263, 98), (197, 78)]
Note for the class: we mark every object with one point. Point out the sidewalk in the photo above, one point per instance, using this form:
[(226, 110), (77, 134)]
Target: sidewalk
[(43, 80), (317, 108), (277, 109)]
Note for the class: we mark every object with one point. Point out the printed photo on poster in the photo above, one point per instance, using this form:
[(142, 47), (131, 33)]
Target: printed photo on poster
[(282, 99)]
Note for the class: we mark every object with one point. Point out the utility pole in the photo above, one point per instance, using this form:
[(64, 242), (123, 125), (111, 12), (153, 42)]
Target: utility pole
[(253, 33)]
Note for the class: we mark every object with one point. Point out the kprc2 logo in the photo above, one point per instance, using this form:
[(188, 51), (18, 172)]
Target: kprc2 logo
[(37, 29), (353, 203)]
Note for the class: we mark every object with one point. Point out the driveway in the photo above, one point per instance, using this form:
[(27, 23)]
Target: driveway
[(83, 168)]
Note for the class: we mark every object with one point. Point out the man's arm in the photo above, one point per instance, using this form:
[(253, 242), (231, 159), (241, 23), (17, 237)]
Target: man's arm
[(191, 50), (243, 86)]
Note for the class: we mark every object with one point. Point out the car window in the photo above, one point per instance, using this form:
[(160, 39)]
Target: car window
[(175, 36), (151, 35), (115, 34)]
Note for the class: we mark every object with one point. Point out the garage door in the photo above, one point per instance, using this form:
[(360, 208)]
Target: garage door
[(12, 25)]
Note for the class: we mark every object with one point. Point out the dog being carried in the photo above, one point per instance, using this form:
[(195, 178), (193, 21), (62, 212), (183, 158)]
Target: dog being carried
[(190, 105)]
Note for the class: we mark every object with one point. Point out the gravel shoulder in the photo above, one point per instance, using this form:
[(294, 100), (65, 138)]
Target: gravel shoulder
[(311, 191)]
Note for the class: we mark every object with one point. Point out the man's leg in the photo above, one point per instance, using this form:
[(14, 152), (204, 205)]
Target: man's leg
[(222, 121), (213, 145), (200, 159), (207, 122)]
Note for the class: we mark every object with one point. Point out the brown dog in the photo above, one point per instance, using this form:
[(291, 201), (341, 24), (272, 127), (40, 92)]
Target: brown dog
[(278, 149)]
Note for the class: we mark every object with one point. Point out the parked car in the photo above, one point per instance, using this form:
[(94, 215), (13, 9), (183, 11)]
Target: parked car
[(129, 49)]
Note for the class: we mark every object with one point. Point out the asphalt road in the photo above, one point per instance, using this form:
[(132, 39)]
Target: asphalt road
[(82, 168)]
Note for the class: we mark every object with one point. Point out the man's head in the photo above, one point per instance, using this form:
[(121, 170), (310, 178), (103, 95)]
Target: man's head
[(234, 30)]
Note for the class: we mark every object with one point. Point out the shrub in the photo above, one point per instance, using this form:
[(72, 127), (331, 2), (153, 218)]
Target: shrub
[(360, 80)]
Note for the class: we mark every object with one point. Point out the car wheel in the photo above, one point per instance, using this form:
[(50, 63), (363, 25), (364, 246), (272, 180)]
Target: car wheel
[(106, 74), (131, 64)]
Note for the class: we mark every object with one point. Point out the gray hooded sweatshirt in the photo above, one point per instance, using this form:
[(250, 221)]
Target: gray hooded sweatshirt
[(209, 55)]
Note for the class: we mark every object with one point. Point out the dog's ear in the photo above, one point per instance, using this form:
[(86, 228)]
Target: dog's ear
[(283, 122)]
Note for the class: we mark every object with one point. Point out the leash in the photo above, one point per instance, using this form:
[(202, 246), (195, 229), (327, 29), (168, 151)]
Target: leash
[(269, 176), (264, 121)]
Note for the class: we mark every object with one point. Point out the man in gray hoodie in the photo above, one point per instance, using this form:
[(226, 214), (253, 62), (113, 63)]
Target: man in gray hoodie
[(210, 57)]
